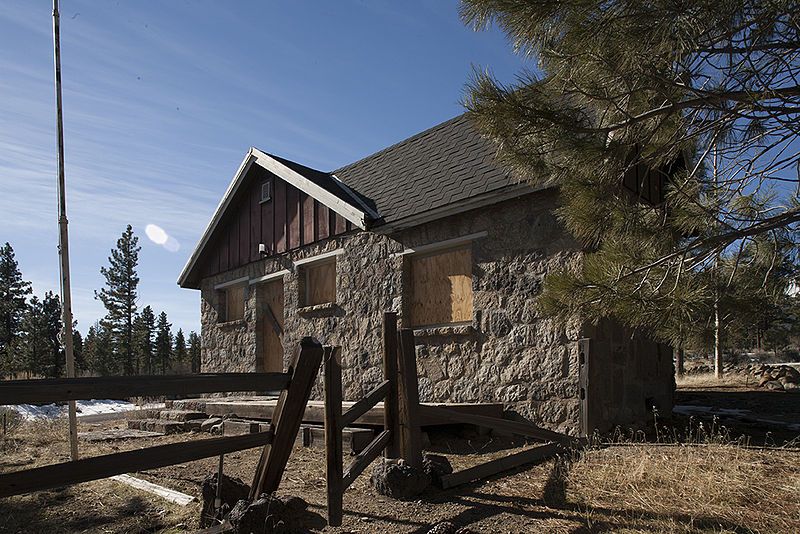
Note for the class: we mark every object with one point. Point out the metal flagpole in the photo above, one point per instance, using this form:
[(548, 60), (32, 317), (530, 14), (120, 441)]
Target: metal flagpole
[(63, 238)]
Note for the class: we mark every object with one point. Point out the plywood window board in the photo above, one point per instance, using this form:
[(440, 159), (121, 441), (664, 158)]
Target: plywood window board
[(233, 297), (319, 282), (440, 287)]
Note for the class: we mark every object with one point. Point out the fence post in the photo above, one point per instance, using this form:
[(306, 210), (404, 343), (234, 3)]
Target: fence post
[(287, 417), (333, 434), (390, 409), (408, 401)]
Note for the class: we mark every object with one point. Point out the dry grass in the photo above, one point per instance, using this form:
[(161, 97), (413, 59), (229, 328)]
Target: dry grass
[(708, 380), (627, 487), (715, 488)]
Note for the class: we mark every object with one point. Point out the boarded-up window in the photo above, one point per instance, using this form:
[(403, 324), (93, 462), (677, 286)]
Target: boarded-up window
[(320, 283), (232, 300), (440, 287)]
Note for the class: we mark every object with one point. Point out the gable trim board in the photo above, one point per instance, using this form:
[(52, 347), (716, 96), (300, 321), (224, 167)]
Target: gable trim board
[(350, 212)]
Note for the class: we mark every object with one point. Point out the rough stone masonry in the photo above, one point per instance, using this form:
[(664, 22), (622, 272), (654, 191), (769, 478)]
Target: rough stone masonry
[(509, 353)]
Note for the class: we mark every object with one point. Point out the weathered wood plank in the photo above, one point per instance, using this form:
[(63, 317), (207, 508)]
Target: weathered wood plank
[(323, 221), (46, 390), (86, 469), (390, 421), (289, 416), (366, 404), (279, 227), (333, 434), (292, 217), (499, 465), (308, 219), (315, 412), (170, 495), (515, 427), (366, 457), (408, 400)]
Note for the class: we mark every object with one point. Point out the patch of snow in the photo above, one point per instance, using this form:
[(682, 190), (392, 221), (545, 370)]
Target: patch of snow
[(87, 407)]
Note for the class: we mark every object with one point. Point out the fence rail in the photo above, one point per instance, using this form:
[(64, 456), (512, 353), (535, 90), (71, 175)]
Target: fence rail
[(49, 390), (56, 475)]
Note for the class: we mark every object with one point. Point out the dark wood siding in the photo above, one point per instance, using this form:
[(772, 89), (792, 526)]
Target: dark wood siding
[(289, 220)]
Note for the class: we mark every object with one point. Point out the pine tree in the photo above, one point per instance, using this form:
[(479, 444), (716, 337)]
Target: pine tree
[(98, 351), (77, 351), (194, 351), (119, 297), (180, 353), (33, 345), (55, 356), (143, 343), (669, 129), (13, 292), (163, 345), (40, 349)]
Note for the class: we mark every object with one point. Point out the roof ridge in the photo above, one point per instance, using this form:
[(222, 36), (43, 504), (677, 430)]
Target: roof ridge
[(402, 142)]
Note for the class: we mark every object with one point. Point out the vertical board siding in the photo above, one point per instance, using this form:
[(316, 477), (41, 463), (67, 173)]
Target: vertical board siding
[(308, 219), (291, 219), (255, 220), (323, 220), (279, 225)]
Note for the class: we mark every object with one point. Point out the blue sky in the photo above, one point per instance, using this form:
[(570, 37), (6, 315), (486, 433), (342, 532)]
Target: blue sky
[(163, 99)]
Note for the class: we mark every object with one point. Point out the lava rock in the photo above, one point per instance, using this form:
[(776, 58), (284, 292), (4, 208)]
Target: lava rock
[(269, 514), (396, 479), (436, 466), (233, 490)]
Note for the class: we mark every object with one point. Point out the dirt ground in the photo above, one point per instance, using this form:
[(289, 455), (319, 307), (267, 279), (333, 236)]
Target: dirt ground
[(629, 487)]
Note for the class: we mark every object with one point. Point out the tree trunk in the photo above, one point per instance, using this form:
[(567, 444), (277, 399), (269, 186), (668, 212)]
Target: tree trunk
[(717, 343)]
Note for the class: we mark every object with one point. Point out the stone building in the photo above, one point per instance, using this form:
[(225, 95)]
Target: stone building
[(434, 229)]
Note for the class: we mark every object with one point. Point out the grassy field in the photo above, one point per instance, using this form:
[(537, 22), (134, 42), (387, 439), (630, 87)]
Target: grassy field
[(627, 487)]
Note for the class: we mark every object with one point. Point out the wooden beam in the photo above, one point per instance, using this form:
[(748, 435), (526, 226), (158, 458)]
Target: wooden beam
[(86, 469), (165, 493), (366, 457), (390, 420), (366, 404), (499, 465), (47, 390), (515, 427), (333, 434), (288, 416), (408, 400)]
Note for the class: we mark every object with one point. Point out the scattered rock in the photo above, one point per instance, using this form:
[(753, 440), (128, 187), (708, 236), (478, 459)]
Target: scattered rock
[(446, 527), (270, 513), (436, 466), (233, 490), (396, 479), (206, 425), (774, 385)]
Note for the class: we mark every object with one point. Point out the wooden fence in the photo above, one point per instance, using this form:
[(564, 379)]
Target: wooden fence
[(295, 389)]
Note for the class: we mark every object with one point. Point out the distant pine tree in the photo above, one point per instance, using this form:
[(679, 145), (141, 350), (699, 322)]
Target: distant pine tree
[(163, 343), (77, 350), (180, 354), (194, 351), (119, 297), (13, 292), (40, 350), (144, 327), (98, 351)]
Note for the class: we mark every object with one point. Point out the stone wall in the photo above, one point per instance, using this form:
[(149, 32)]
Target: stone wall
[(508, 354)]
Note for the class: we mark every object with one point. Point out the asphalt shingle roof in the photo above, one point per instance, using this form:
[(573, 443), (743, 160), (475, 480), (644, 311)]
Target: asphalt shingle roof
[(443, 165)]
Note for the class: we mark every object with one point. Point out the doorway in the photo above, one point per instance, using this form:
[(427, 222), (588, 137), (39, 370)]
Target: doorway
[(271, 326)]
